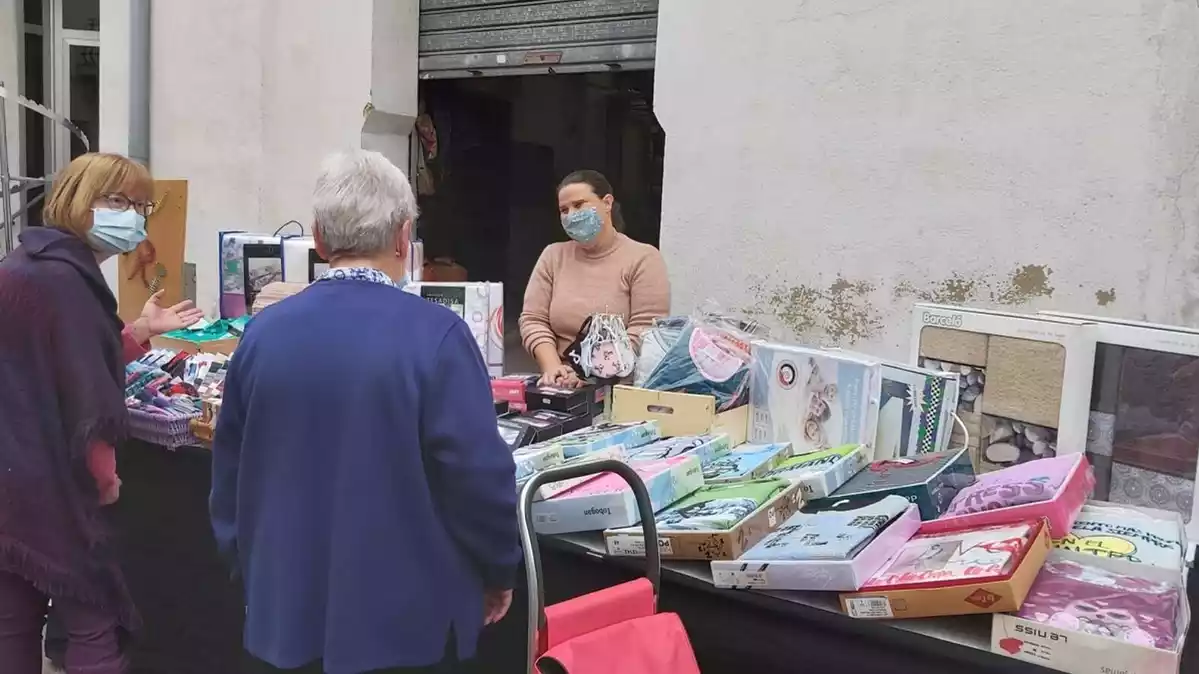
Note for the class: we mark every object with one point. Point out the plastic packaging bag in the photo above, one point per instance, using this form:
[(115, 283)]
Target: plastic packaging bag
[(606, 352), (710, 357), (655, 342)]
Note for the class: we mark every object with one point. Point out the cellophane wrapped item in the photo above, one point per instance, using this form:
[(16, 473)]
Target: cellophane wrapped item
[(606, 352), (709, 356), (1088, 599)]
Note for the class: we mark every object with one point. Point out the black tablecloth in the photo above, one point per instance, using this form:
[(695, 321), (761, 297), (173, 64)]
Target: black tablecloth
[(193, 612)]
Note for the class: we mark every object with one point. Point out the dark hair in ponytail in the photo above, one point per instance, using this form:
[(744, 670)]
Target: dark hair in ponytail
[(602, 188)]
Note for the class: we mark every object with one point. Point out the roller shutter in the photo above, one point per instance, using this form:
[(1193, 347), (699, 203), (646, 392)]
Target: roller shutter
[(471, 38)]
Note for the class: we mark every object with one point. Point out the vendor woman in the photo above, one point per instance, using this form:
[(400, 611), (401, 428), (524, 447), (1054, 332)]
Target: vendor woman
[(600, 270)]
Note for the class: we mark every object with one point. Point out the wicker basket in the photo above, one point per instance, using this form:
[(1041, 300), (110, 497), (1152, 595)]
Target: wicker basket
[(169, 429)]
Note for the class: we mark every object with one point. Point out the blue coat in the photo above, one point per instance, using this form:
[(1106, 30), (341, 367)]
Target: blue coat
[(360, 485)]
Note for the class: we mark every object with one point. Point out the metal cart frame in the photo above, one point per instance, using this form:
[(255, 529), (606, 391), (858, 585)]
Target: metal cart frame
[(528, 538)]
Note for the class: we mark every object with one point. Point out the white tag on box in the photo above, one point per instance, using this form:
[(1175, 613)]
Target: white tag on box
[(869, 607), (634, 546)]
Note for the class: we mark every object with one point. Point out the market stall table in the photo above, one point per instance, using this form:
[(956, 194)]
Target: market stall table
[(194, 613)]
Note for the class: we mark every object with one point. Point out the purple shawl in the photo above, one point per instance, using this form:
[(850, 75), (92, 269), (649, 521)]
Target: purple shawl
[(61, 388)]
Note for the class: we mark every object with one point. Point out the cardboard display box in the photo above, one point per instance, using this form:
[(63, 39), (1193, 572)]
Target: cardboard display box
[(679, 414), (811, 398), (1145, 469), (530, 461), (821, 473), (702, 544), (954, 598), (1081, 653), (706, 448), (747, 462), (481, 305), (820, 575), (551, 489), (1026, 379), (928, 480), (631, 435), (607, 502), (224, 347)]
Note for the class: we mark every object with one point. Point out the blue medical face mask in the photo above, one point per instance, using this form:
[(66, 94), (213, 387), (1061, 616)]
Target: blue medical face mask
[(116, 232), (583, 225)]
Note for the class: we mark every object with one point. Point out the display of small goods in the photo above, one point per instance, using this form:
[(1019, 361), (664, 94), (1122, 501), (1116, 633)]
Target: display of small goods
[(821, 473), (746, 462), (1126, 533), (998, 524), (174, 381), (931, 481), (813, 399)]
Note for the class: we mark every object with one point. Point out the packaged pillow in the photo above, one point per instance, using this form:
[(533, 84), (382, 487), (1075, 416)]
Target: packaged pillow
[(1031, 482), (1095, 601), (719, 507)]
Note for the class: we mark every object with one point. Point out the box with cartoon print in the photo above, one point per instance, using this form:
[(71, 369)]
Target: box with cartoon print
[(928, 480)]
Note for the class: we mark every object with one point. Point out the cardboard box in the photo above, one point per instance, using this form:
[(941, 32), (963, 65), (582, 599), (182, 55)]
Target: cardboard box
[(916, 409), (512, 388), (551, 489), (821, 473), (811, 398), (709, 544), (1060, 511), (747, 462), (1123, 532), (632, 435), (1171, 339), (515, 435), (222, 346), (481, 305), (1038, 371), (820, 575), (706, 448), (679, 413), (607, 502), (928, 480), (956, 598), (533, 461), (1080, 653)]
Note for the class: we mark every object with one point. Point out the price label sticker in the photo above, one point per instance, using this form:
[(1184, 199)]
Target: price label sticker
[(634, 546), (869, 607), (772, 518), (751, 578)]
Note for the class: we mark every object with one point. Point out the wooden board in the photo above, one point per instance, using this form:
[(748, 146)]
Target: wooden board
[(166, 229)]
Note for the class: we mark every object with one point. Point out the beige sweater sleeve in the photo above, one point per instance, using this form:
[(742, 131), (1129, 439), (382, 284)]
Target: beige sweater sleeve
[(649, 295), (535, 315)]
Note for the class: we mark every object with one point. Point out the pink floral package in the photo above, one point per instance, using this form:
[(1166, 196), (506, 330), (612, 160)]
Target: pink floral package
[(1031, 482), (1088, 599)]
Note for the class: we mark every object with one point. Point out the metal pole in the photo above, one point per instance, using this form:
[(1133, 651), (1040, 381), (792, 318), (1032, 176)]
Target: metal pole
[(5, 179)]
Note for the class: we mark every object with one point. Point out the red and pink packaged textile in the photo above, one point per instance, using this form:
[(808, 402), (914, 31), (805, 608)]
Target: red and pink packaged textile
[(1088, 599), (1054, 489)]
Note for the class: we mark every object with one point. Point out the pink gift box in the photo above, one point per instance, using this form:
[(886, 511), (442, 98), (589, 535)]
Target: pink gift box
[(1060, 511)]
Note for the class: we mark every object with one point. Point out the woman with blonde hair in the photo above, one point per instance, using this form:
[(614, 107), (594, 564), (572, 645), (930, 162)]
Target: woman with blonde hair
[(62, 356)]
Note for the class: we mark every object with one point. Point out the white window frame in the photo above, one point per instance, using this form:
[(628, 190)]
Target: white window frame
[(62, 89)]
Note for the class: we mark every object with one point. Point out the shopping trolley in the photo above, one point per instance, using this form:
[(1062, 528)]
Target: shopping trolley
[(617, 629)]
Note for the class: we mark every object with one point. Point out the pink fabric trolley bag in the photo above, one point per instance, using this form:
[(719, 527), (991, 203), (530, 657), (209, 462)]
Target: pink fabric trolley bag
[(617, 629)]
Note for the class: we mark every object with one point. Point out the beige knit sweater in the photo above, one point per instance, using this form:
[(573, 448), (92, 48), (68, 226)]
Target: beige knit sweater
[(570, 283)]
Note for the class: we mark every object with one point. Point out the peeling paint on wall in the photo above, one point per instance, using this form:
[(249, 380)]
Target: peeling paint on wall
[(1105, 297), (956, 289), (841, 313), (1026, 284)]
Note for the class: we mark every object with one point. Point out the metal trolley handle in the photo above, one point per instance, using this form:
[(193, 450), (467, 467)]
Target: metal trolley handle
[(528, 539)]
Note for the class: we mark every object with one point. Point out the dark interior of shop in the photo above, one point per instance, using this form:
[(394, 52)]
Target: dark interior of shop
[(486, 186)]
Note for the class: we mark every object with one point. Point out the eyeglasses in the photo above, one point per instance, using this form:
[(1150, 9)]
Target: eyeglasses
[(121, 203)]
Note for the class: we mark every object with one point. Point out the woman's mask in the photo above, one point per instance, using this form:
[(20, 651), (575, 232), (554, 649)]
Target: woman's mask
[(583, 225), (116, 232)]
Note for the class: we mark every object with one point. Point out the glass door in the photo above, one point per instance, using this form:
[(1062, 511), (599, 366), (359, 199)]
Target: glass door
[(76, 74)]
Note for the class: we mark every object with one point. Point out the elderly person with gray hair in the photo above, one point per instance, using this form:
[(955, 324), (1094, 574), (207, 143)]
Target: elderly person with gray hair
[(360, 487)]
